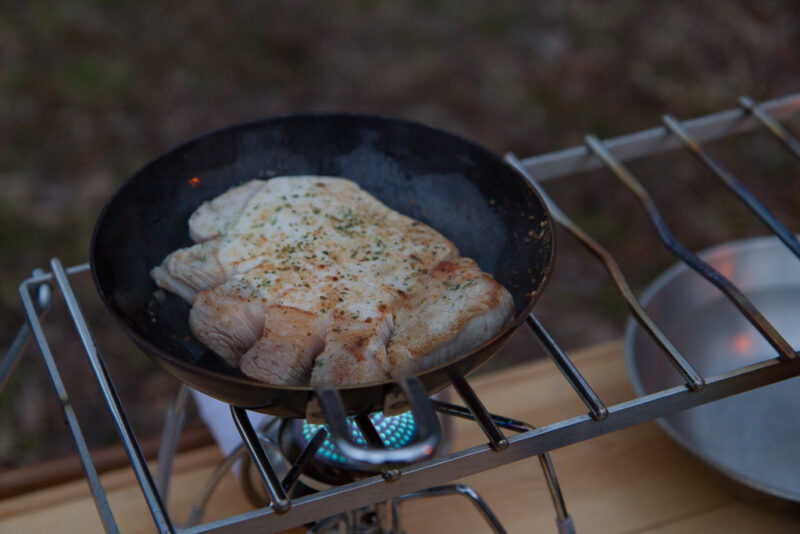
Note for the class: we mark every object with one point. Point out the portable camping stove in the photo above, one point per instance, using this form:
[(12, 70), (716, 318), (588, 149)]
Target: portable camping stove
[(309, 482)]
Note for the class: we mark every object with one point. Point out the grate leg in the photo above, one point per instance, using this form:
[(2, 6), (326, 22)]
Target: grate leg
[(98, 494), (277, 495), (497, 441), (143, 475)]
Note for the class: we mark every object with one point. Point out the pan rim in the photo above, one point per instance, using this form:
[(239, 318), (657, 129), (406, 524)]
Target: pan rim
[(329, 115)]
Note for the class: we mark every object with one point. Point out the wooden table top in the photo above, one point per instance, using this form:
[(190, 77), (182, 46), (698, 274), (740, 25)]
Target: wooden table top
[(630, 481)]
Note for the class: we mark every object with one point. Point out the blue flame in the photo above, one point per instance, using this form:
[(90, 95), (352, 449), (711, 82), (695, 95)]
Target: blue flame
[(395, 431)]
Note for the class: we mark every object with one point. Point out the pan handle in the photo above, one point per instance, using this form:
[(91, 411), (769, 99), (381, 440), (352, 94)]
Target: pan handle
[(375, 456)]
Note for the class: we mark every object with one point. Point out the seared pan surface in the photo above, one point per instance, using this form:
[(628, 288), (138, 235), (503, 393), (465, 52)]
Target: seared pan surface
[(457, 187)]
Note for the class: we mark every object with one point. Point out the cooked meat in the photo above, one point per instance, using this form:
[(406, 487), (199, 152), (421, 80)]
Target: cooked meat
[(189, 270), (312, 279), (285, 353), (355, 352), (230, 318), (295, 326), (456, 308), (211, 218), (355, 347)]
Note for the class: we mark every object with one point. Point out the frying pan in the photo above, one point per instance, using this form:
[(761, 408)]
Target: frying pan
[(457, 187)]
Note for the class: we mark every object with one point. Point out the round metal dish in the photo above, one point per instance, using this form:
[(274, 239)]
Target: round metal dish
[(752, 438)]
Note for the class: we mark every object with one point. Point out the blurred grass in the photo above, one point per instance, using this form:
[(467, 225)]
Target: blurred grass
[(91, 90)]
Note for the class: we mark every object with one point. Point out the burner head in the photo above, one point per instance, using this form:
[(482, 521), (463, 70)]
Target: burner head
[(329, 465)]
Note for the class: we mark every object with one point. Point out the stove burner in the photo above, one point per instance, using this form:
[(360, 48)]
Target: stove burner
[(329, 465), (395, 431)]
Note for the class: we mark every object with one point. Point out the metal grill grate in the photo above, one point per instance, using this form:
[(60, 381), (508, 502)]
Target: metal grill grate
[(429, 476)]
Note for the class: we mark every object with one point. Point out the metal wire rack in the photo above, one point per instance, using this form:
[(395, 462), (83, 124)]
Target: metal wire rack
[(429, 477)]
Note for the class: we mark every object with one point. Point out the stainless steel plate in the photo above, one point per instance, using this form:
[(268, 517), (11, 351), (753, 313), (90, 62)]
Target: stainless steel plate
[(753, 437)]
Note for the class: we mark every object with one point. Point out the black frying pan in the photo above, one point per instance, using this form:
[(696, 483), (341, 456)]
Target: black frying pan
[(465, 192)]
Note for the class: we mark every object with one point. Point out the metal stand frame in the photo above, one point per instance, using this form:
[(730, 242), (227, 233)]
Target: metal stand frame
[(430, 476)]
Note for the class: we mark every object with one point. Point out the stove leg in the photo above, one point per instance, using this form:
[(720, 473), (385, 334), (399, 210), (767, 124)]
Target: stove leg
[(326, 525), (169, 441), (8, 364), (12, 358), (563, 519), (452, 489), (198, 509)]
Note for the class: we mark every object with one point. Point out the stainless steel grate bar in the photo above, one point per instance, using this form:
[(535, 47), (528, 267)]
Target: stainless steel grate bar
[(751, 313), (480, 415), (773, 126), (373, 439), (134, 452), (732, 183), (596, 407), (15, 351), (655, 140), (441, 470), (293, 475), (368, 431), (277, 495), (693, 379), (98, 493)]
